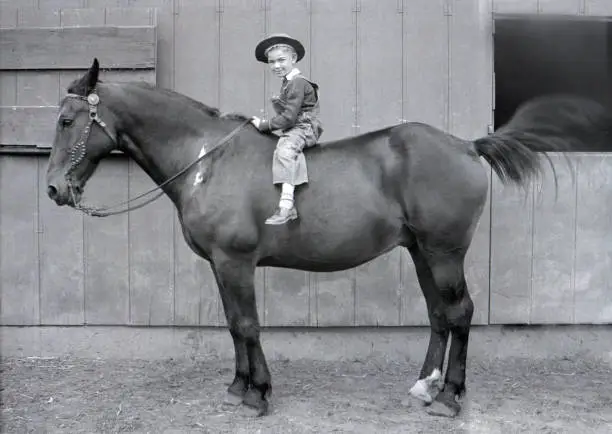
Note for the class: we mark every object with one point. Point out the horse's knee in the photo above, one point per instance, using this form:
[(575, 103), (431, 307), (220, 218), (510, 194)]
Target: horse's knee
[(456, 307), (246, 328), (459, 314), (450, 280)]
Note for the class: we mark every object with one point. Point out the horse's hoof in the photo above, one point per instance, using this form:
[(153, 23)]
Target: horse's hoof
[(233, 399), (412, 401), (255, 405), (444, 407)]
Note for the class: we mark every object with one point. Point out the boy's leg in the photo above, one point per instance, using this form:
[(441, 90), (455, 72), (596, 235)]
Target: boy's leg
[(288, 169)]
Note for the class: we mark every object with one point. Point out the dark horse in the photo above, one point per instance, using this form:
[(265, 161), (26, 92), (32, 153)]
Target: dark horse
[(409, 185)]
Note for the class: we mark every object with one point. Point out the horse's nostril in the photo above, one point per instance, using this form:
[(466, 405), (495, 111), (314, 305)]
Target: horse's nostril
[(52, 192)]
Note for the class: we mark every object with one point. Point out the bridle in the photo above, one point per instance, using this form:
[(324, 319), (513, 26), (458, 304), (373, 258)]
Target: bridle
[(79, 149)]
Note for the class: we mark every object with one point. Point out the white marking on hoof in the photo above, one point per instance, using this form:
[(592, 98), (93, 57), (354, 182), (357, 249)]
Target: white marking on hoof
[(199, 177), (233, 400), (422, 389)]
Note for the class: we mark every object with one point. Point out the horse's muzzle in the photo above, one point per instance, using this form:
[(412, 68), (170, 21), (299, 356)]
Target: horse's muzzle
[(63, 197)]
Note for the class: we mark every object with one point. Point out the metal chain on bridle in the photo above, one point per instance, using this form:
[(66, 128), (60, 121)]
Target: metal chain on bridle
[(79, 150)]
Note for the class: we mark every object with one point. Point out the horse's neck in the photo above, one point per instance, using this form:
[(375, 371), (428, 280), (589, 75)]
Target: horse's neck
[(164, 136)]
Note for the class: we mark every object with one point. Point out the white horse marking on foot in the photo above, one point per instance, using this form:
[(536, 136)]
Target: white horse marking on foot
[(422, 389)]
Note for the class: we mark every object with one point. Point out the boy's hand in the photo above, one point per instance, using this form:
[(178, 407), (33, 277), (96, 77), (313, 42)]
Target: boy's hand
[(255, 121)]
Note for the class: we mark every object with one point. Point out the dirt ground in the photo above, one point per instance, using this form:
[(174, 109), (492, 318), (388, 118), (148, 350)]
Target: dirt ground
[(362, 396)]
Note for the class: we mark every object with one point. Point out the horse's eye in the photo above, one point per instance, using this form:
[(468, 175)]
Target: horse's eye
[(66, 122)]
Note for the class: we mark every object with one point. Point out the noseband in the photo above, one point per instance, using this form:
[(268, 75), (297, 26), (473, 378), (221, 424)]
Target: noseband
[(78, 152)]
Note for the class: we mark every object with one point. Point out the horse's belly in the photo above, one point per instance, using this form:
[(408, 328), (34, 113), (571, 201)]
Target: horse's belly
[(336, 244)]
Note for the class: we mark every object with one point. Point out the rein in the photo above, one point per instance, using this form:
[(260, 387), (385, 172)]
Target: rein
[(77, 154)]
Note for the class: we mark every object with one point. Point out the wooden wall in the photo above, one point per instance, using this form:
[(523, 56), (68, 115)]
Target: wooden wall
[(378, 63)]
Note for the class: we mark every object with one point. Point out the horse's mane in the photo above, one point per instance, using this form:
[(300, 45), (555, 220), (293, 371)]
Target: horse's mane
[(562, 122), (211, 111), (76, 87)]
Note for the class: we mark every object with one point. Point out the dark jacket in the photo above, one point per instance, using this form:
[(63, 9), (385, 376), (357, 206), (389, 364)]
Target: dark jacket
[(298, 103)]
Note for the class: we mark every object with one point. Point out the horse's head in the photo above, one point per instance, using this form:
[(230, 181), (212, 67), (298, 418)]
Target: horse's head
[(86, 132)]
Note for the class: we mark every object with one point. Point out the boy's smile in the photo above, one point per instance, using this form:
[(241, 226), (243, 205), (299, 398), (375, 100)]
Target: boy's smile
[(281, 61)]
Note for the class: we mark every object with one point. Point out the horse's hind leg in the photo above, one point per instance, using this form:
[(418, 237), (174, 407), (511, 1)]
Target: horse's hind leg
[(455, 309), (450, 309), (236, 282), (427, 386)]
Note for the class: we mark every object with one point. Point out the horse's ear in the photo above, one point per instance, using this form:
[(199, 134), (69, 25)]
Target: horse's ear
[(92, 75), (84, 85)]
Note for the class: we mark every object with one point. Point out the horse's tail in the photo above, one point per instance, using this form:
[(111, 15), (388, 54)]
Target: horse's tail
[(552, 123), (515, 156)]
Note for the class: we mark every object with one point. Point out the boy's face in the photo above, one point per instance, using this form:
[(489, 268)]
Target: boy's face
[(281, 61)]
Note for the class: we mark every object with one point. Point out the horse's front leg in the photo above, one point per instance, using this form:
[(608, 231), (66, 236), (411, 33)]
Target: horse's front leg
[(236, 280), (242, 377)]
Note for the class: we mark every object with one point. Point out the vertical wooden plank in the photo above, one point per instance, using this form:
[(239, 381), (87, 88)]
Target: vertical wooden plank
[(511, 230), (38, 88), (197, 299), (107, 268), (554, 229), (62, 274), (564, 7), (106, 251), (60, 236), (19, 277), (478, 260), (151, 240), (242, 77), (164, 17), (333, 37), (593, 250), (242, 80), (511, 253), (426, 62), (8, 79), (471, 69), (19, 288), (151, 255), (379, 104), (287, 296), (196, 295), (425, 99), (287, 292), (197, 61), (413, 308), (471, 111)]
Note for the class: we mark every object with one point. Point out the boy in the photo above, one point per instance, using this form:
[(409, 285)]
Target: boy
[(297, 112)]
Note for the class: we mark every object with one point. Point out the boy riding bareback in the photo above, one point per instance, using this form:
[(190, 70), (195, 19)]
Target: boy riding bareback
[(297, 112)]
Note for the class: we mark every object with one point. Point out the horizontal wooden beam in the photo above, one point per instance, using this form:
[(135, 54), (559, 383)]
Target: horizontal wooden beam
[(34, 126), (117, 47)]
